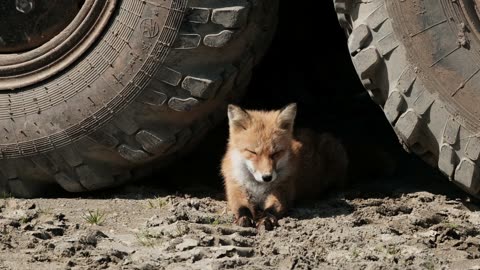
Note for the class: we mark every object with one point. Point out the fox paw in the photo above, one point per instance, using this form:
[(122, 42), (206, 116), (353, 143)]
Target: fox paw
[(244, 221), (267, 223)]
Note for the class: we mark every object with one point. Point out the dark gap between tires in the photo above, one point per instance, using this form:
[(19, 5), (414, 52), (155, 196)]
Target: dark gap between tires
[(308, 63)]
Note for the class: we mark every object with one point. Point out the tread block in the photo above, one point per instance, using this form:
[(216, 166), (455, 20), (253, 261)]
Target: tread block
[(450, 132), (154, 143), (198, 15), (244, 72), (229, 76), (359, 38), (153, 98), (407, 125), (44, 163), (423, 102), (393, 106), (68, 183), (472, 150), (406, 79), (169, 76), (467, 175), (91, 180), (187, 41), (447, 160), (132, 154), (126, 124), (377, 17), (230, 17), (104, 139), (22, 189), (366, 61), (122, 178), (201, 87), (218, 40), (387, 44), (9, 169), (182, 104), (342, 6), (71, 156)]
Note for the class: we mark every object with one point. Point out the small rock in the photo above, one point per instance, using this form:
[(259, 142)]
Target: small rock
[(9, 223), (59, 216), (31, 245), (90, 238), (27, 227), (41, 258), (187, 244), (118, 254), (360, 222), (428, 220), (55, 231), (288, 263), (393, 211), (208, 240), (100, 259), (371, 258), (64, 249), (148, 266), (41, 235), (30, 205), (428, 234)]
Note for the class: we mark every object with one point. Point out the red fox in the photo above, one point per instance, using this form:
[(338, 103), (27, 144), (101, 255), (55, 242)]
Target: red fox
[(268, 164)]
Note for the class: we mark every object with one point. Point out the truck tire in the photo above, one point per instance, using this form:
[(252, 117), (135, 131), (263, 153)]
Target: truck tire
[(419, 60), (135, 82)]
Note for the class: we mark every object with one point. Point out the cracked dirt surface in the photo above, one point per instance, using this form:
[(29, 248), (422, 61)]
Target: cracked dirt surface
[(413, 221)]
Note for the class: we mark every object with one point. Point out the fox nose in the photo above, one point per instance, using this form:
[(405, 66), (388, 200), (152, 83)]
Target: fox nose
[(267, 177)]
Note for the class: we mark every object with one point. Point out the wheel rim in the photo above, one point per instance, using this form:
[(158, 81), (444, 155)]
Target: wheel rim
[(472, 11), (26, 63)]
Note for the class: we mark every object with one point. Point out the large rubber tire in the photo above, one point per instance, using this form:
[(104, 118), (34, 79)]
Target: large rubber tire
[(419, 62), (157, 79)]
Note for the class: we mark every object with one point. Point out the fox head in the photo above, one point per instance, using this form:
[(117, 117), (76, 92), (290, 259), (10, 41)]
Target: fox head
[(261, 141)]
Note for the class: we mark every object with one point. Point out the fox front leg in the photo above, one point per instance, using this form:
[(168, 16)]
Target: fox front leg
[(276, 205), (239, 204)]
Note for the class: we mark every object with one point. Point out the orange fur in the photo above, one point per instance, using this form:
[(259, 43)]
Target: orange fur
[(268, 165)]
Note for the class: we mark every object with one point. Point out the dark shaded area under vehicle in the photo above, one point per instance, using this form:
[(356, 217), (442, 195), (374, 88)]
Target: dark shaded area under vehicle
[(308, 63)]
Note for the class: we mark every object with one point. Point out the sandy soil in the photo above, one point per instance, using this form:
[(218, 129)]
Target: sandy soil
[(413, 221)]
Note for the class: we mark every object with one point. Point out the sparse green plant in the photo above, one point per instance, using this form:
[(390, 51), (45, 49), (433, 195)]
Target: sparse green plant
[(428, 265), (147, 239), (44, 211), (6, 195), (94, 217), (182, 229), (392, 250), (157, 202), (220, 221), (24, 220), (355, 253), (4, 230), (216, 222), (451, 225)]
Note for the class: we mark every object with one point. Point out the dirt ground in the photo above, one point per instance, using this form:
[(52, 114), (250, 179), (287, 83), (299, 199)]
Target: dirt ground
[(413, 221)]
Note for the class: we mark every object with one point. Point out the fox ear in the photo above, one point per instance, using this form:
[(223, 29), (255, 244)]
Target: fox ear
[(238, 117), (286, 118)]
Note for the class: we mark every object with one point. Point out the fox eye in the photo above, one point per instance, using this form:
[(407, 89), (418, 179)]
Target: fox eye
[(276, 154), (251, 152)]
